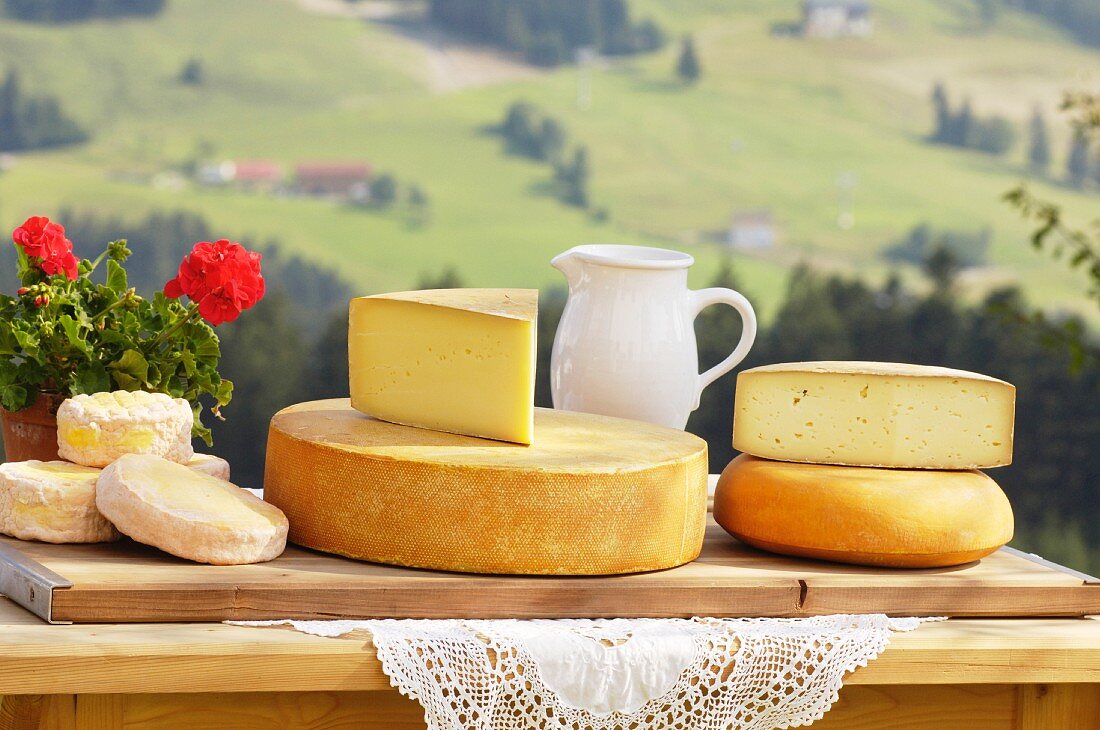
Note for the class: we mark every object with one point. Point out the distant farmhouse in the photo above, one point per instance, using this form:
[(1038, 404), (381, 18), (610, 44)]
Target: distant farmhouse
[(836, 18), (339, 180), (350, 180), (752, 231), (258, 176)]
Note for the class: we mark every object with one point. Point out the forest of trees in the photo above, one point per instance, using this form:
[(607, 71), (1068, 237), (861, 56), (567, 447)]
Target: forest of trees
[(961, 127), (1081, 18), (549, 33), (68, 11), (968, 248), (33, 122), (530, 132)]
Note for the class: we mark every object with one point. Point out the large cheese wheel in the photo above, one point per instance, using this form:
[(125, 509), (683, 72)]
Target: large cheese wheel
[(891, 517), (590, 495)]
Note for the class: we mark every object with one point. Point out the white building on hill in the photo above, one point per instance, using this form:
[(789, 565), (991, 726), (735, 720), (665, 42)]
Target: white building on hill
[(752, 231), (836, 18)]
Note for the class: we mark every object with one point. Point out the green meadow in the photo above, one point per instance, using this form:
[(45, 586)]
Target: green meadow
[(773, 123)]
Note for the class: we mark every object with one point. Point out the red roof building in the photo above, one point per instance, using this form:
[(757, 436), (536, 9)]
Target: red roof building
[(332, 178), (257, 172)]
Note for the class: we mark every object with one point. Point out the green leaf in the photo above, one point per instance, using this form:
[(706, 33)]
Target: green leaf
[(224, 392), (28, 342), (90, 377), (116, 277), (14, 397), (130, 371), (9, 345), (187, 359), (72, 332), (200, 430)]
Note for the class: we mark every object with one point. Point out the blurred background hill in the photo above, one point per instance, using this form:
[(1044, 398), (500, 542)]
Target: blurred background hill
[(842, 162)]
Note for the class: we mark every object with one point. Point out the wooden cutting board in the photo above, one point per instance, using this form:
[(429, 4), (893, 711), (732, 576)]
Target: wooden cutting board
[(128, 582)]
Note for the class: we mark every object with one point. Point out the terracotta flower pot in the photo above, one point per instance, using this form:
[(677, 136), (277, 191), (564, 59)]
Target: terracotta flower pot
[(32, 432)]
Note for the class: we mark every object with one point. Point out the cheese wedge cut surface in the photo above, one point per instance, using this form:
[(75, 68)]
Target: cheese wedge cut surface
[(96, 429), (591, 495), (455, 360), (905, 518), (874, 414), (51, 501), (189, 514)]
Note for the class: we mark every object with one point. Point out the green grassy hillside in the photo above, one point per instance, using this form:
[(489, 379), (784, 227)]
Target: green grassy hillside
[(773, 123)]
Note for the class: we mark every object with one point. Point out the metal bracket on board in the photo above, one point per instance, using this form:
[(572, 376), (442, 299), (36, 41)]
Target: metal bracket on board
[(29, 583), (1085, 577)]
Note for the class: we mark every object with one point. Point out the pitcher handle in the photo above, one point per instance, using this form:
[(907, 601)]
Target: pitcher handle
[(703, 298)]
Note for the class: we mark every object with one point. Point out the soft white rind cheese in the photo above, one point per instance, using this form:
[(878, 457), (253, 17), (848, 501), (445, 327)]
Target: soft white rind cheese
[(51, 501), (874, 414), (215, 466), (94, 430), (189, 514)]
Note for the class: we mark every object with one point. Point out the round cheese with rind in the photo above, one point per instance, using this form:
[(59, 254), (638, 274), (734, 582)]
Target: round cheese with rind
[(590, 495), (189, 514), (51, 501), (904, 518), (215, 466), (96, 429), (874, 414)]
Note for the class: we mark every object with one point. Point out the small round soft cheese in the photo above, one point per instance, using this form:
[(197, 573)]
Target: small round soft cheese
[(189, 514), (215, 466), (51, 501), (96, 429)]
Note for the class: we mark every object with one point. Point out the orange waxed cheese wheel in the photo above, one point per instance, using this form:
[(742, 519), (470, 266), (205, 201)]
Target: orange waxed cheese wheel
[(863, 515), (591, 495)]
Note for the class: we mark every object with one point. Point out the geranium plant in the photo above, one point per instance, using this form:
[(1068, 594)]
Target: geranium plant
[(65, 334)]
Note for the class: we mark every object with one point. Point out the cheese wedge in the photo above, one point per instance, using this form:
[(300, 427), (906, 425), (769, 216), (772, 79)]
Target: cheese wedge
[(189, 514), (591, 495), (874, 414), (455, 360), (903, 518), (96, 429), (51, 501)]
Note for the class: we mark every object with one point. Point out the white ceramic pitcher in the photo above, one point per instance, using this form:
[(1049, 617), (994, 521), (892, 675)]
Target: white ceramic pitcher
[(626, 342)]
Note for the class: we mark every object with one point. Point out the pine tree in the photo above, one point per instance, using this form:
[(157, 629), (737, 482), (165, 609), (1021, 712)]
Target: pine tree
[(1039, 147), (962, 126), (942, 108), (575, 178), (687, 66), (1077, 164), (11, 133)]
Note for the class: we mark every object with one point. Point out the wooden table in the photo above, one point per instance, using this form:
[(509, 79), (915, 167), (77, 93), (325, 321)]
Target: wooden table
[(966, 674)]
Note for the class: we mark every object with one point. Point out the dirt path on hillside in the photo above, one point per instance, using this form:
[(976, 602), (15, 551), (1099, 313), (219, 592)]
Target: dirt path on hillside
[(450, 64)]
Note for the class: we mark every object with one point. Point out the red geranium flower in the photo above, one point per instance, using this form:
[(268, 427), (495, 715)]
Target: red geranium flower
[(42, 239), (222, 277)]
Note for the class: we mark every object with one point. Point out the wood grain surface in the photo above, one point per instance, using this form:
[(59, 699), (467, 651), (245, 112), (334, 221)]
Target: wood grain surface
[(860, 707), (127, 582), (37, 658)]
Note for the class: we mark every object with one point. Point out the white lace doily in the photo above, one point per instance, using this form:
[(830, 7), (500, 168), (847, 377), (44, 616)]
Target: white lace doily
[(621, 674)]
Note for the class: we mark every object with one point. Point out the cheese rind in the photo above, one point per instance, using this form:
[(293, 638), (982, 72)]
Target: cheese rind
[(51, 501), (189, 514), (891, 517), (215, 466), (96, 429), (874, 414), (591, 495), (455, 360)]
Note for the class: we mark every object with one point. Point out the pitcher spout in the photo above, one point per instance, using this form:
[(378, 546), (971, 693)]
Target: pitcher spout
[(569, 265)]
